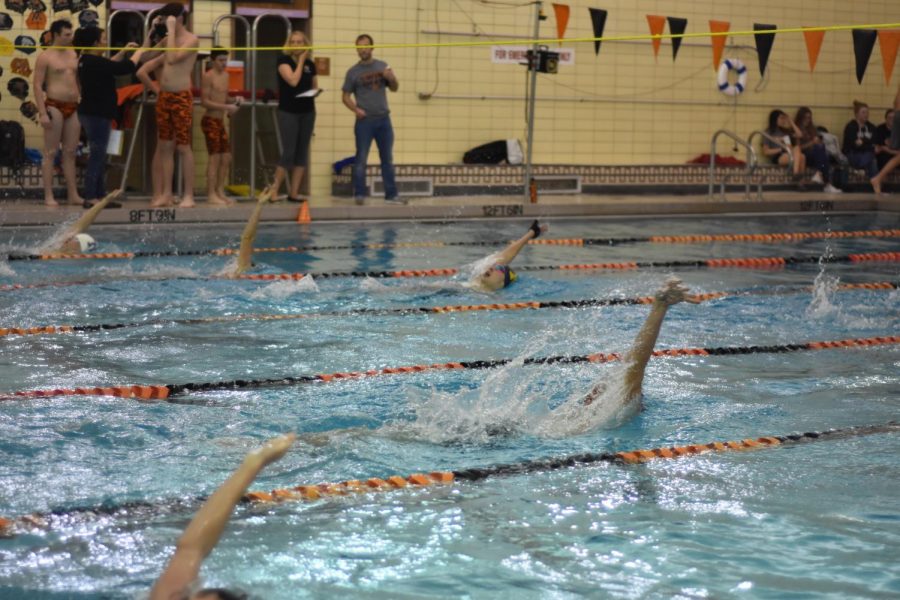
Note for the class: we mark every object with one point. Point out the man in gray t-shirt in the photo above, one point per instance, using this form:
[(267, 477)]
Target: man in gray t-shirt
[(364, 94)]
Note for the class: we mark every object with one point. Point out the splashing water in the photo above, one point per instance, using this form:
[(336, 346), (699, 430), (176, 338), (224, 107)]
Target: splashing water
[(283, 289), (506, 403), (824, 287)]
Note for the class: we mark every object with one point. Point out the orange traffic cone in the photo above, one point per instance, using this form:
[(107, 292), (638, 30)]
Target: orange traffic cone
[(303, 213)]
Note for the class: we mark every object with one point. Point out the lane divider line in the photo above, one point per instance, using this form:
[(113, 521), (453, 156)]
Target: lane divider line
[(742, 263), (656, 239), (166, 391), (9, 527), (524, 305)]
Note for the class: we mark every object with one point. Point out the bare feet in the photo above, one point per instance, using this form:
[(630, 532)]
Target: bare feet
[(673, 292), (218, 200), (77, 200), (876, 185), (50, 202), (187, 202), (162, 202)]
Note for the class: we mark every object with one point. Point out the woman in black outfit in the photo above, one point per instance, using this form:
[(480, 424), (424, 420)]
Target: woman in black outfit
[(97, 108), (296, 116)]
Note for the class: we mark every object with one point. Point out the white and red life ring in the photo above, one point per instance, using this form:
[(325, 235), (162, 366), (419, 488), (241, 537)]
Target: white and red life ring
[(725, 86)]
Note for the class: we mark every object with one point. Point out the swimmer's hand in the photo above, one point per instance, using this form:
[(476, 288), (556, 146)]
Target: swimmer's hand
[(673, 292), (266, 195), (272, 450), (537, 229)]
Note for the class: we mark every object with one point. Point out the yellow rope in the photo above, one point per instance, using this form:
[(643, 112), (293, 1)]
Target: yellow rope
[(517, 42)]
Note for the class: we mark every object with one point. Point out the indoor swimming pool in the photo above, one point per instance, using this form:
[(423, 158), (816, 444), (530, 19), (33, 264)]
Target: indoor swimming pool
[(809, 519)]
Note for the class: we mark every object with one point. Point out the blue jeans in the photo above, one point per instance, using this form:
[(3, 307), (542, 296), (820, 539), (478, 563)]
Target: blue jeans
[(817, 158), (381, 130), (97, 131), (864, 161)]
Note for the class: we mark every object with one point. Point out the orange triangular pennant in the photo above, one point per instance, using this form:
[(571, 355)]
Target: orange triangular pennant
[(813, 46), (889, 41), (718, 41), (562, 20), (657, 26)]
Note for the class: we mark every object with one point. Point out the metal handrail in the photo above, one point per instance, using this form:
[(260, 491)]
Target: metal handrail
[(253, 57), (751, 162), (249, 72)]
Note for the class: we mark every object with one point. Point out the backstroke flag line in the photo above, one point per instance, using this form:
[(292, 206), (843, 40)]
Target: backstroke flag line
[(598, 19)]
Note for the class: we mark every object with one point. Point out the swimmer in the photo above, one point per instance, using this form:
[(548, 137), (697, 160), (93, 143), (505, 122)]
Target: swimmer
[(75, 240), (245, 256), (499, 275), (562, 420), (205, 529), (638, 356)]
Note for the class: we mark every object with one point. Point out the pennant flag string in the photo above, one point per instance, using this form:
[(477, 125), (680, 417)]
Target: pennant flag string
[(888, 41), (863, 43), (677, 27), (764, 43), (562, 20), (657, 26)]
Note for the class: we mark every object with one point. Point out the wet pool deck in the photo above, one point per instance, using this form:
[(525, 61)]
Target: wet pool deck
[(136, 210)]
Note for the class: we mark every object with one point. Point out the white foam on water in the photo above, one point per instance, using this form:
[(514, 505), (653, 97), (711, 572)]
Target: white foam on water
[(279, 290)]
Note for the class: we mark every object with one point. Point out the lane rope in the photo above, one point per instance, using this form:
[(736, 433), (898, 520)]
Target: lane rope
[(767, 262), (10, 527), (165, 392), (422, 310), (656, 239)]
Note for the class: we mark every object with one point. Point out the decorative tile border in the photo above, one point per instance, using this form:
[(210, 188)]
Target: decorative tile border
[(505, 179)]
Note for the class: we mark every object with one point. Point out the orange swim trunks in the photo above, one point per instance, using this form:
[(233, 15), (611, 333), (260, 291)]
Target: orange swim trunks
[(174, 116), (216, 135), (66, 108)]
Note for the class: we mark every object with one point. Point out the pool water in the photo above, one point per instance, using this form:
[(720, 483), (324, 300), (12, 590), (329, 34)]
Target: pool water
[(818, 519)]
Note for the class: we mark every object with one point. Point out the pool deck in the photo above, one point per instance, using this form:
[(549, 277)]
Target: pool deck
[(136, 210)]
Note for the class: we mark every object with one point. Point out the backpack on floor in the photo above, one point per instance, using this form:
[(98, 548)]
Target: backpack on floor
[(12, 145)]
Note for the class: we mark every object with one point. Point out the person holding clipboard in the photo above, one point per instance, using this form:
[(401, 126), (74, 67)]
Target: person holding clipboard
[(297, 85)]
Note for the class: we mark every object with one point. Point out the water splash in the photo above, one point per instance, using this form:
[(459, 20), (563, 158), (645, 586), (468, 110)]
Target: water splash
[(824, 287), (280, 290)]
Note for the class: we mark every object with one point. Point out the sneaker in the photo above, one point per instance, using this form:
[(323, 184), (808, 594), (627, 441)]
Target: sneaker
[(817, 178), (360, 200), (830, 189), (394, 200)]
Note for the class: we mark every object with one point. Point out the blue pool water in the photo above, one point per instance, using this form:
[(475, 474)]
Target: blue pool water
[(812, 520)]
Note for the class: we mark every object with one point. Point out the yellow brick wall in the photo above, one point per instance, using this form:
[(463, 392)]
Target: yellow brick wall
[(622, 106)]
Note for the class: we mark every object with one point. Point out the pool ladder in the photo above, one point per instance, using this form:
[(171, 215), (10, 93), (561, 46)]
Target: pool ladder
[(752, 161), (748, 174)]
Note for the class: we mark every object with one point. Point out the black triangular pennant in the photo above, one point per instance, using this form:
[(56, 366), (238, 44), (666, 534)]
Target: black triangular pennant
[(677, 26), (863, 42), (764, 43), (598, 18)]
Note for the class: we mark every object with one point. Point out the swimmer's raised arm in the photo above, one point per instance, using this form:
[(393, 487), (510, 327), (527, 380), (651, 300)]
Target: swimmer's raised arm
[(510, 252), (245, 256), (204, 531), (69, 244), (638, 356)]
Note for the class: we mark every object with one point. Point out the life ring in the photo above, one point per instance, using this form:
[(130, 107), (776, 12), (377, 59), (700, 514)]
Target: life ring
[(727, 88)]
